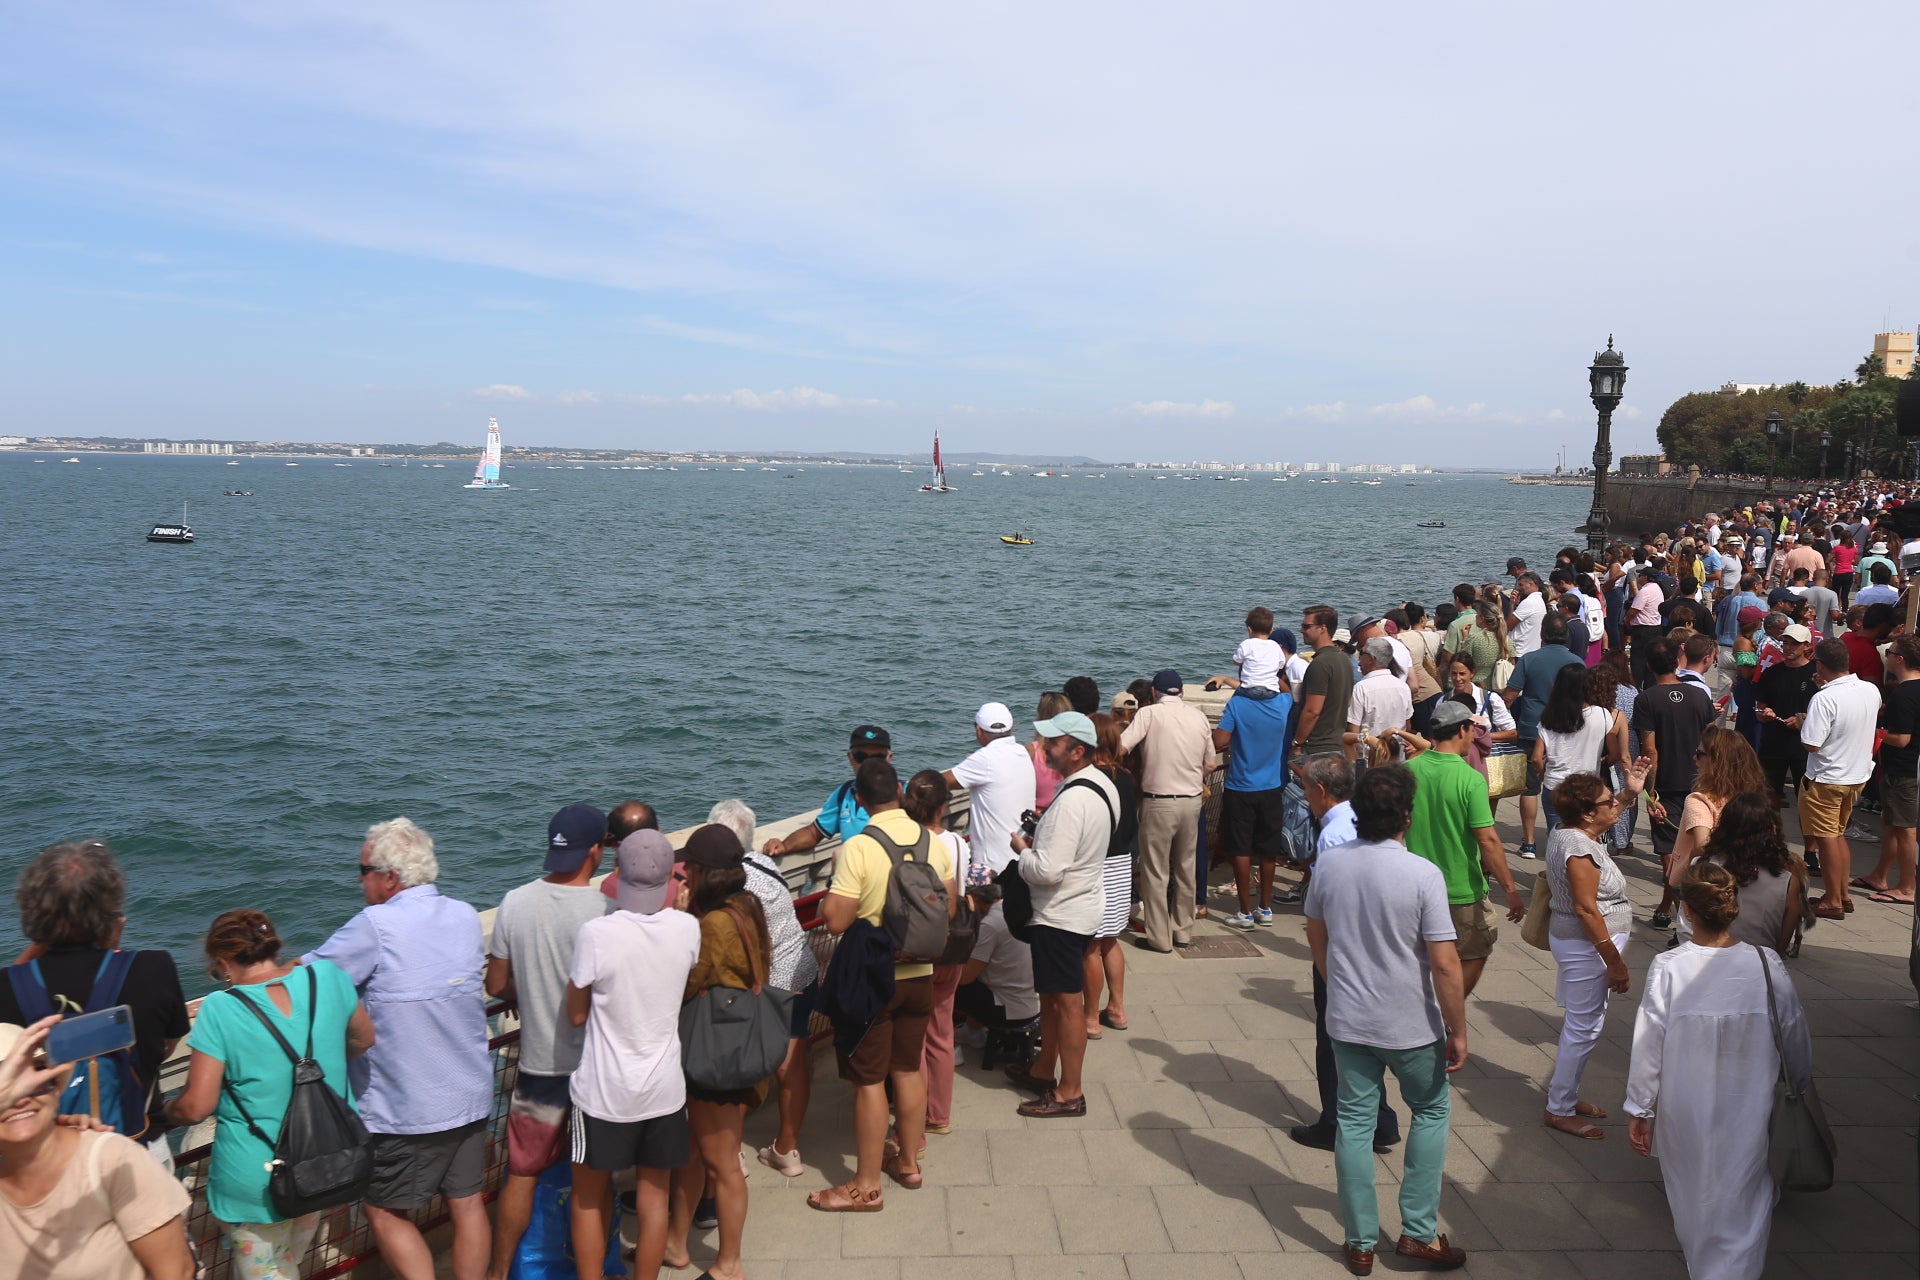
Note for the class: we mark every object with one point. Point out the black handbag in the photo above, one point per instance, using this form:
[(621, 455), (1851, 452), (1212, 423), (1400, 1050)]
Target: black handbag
[(734, 1039), (323, 1156), (1800, 1145)]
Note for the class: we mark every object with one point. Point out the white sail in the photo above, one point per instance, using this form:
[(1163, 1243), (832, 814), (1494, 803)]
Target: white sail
[(486, 474)]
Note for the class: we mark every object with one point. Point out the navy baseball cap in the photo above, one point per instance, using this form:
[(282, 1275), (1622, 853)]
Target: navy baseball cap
[(571, 836), (1168, 681), (870, 735)]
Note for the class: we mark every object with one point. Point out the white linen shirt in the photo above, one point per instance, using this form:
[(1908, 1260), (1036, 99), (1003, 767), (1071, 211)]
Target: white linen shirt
[(1838, 731)]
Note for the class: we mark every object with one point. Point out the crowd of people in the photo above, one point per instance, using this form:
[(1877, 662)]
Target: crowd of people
[(1695, 676)]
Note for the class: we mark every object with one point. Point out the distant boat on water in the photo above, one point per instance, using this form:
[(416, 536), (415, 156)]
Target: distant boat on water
[(182, 532), (939, 484), (69, 460), (486, 475)]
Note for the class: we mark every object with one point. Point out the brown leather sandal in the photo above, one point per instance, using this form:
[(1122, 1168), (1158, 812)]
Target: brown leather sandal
[(892, 1167), (847, 1199)]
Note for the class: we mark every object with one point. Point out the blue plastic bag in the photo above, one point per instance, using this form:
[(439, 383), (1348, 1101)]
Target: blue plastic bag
[(546, 1250)]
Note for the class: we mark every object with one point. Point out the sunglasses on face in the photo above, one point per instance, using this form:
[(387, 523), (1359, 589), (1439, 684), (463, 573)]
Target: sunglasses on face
[(861, 757)]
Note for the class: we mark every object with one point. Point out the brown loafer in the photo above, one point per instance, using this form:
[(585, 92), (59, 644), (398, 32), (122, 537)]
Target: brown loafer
[(1827, 909), (1439, 1255), (1054, 1108), (1025, 1079), (1360, 1261)]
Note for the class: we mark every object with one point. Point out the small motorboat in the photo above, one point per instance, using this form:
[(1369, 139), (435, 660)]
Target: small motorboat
[(238, 493), (1016, 539), (1431, 524)]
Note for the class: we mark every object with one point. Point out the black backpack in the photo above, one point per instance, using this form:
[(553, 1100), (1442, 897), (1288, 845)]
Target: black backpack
[(323, 1156)]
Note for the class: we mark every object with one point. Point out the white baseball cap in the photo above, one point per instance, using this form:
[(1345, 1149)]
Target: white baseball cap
[(993, 717)]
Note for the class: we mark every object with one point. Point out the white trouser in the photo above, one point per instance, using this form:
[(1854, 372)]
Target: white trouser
[(1581, 990)]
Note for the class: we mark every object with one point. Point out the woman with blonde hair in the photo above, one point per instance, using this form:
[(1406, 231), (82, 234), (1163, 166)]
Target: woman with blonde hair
[(1702, 1075)]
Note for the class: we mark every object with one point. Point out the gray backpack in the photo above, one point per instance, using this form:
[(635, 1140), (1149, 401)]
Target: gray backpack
[(915, 914)]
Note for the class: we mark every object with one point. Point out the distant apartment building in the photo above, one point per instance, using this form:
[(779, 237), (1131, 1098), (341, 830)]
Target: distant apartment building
[(1895, 351), (185, 446)]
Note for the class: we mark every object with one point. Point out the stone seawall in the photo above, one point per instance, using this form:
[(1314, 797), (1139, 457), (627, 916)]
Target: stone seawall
[(1653, 504)]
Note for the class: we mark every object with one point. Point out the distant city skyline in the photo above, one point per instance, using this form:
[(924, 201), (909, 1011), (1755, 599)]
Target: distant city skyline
[(1243, 231)]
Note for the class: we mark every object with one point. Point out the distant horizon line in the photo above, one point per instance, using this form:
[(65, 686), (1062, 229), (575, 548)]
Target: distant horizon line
[(447, 448)]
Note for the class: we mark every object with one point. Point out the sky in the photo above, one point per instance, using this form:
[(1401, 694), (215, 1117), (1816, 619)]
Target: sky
[(1262, 232)]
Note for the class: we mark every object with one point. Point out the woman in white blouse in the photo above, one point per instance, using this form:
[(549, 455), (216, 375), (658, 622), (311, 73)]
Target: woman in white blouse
[(1592, 917), (1702, 1077)]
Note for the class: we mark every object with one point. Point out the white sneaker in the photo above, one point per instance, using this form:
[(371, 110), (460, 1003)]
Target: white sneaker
[(1244, 923), (971, 1036), (787, 1163)]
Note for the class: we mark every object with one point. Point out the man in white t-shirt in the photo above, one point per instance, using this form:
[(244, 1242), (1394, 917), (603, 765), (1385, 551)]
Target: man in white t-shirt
[(996, 985), (1000, 786), (1525, 613), (1838, 735), (629, 1093), (1380, 705)]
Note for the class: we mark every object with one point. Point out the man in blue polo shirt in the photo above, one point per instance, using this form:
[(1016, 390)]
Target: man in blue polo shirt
[(841, 815), (1254, 733)]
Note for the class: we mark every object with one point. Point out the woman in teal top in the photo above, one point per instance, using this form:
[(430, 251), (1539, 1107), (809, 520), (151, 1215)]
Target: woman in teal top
[(233, 1054)]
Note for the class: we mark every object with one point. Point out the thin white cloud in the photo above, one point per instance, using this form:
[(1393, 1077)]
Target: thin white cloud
[(776, 401), (503, 391), (1182, 409), (577, 397)]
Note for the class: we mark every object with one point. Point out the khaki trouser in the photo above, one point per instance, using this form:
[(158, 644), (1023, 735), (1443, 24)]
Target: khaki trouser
[(1163, 873)]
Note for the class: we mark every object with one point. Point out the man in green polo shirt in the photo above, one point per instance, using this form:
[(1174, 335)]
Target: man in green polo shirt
[(1453, 829)]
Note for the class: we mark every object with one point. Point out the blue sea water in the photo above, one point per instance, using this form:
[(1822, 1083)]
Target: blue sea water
[(354, 643)]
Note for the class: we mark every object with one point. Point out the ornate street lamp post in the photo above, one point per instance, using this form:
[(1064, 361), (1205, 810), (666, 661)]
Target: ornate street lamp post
[(1773, 444), (1606, 381), (1826, 438)]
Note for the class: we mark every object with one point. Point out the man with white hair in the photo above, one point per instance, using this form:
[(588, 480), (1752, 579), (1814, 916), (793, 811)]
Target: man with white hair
[(425, 1089), (792, 967)]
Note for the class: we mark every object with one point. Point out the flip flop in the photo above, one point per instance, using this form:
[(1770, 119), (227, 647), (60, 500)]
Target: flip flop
[(1093, 1033), (1861, 882), (1888, 897), (1108, 1021), (1590, 1132), (1589, 1111)]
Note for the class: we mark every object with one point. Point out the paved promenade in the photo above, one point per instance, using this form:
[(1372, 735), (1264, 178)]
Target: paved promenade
[(1182, 1169)]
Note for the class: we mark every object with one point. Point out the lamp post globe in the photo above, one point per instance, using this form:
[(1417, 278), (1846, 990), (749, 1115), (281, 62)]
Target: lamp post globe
[(1606, 382), (1774, 419)]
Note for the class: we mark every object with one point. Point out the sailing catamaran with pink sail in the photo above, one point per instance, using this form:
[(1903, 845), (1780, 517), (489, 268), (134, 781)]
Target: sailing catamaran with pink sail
[(487, 474), (939, 484)]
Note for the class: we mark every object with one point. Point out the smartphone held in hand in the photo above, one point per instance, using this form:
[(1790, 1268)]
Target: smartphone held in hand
[(90, 1035)]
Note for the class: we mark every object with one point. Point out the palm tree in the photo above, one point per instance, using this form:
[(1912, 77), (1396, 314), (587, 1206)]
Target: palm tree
[(1874, 366), (1797, 392)]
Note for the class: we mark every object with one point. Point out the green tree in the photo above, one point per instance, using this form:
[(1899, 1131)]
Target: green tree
[(1874, 366)]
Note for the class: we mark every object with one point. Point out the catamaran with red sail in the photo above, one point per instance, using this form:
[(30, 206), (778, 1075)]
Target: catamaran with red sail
[(939, 484)]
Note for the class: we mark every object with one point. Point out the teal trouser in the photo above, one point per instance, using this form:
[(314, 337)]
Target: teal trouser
[(1422, 1074)]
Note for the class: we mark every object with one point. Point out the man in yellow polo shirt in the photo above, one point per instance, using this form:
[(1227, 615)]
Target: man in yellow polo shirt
[(896, 1039)]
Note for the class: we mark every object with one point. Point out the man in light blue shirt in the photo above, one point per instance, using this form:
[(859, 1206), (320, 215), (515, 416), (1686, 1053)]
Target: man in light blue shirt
[(425, 1089), (842, 816)]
